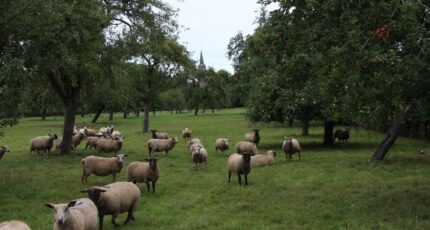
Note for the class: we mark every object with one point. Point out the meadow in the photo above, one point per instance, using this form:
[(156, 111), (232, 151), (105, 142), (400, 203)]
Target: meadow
[(329, 188)]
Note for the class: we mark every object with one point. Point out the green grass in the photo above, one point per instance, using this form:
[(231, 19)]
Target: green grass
[(330, 188)]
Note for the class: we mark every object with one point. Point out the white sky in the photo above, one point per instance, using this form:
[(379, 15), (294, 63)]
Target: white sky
[(210, 25)]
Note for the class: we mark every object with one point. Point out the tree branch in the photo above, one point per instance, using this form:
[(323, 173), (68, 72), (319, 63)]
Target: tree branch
[(56, 85)]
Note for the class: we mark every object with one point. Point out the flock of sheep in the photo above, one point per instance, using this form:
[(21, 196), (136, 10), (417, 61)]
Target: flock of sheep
[(120, 197)]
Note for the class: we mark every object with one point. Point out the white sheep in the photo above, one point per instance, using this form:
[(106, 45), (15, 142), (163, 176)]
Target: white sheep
[(116, 135), (144, 172), (42, 143), (108, 145), (160, 145), (102, 166), (78, 214), (221, 144), (290, 146), (263, 160), (115, 198), (246, 147), (239, 163), (92, 141), (186, 134), (59, 144), (90, 132), (195, 146), (106, 130), (199, 156), (253, 136), (14, 225), (159, 135), (3, 149)]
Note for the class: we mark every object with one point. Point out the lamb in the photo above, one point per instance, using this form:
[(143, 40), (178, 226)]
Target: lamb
[(186, 134), (102, 166), (160, 145), (221, 144), (199, 156), (245, 146), (3, 149), (263, 160), (239, 163), (341, 135), (253, 136), (290, 146), (77, 138), (42, 143), (77, 214), (108, 145), (144, 172), (159, 135), (14, 225), (113, 199), (116, 134)]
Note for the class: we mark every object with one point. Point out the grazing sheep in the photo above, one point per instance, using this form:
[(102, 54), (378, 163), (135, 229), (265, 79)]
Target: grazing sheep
[(113, 199), (107, 145), (80, 214), (160, 145), (239, 163), (245, 146), (14, 225), (221, 144), (42, 143), (144, 172), (253, 136), (102, 166), (106, 130), (263, 160), (92, 141), (59, 144), (199, 156), (291, 146), (116, 135), (341, 135), (159, 135), (3, 149), (90, 132), (186, 134)]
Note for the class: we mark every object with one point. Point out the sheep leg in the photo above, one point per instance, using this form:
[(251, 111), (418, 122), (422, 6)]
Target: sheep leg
[(147, 186), (166, 152), (299, 155), (246, 179), (114, 177), (153, 186), (229, 176), (129, 216), (240, 179), (114, 216), (101, 221), (86, 146)]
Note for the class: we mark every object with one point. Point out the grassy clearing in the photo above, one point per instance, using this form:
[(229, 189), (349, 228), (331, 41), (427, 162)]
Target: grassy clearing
[(330, 188)]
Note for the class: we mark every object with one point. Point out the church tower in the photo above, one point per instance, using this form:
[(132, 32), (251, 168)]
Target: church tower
[(202, 66), (203, 82)]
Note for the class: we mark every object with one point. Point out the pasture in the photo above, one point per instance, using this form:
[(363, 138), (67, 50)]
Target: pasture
[(330, 188)]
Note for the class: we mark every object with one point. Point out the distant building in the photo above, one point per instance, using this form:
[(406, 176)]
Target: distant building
[(202, 66), (203, 82)]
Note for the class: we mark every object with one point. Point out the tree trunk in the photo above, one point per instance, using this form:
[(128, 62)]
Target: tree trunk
[(204, 109), (137, 113), (196, 111), (69, 124), (328, 132), (44, 112), (393, 133), (290, 122), (111, 115), (305, 127), (146, 107), (124, 115), (96, 117)]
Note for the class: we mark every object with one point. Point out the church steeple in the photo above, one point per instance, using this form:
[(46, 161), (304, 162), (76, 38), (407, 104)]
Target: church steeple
[(202, 65)]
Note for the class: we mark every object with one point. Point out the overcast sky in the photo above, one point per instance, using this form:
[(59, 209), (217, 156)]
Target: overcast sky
[(210, 25)]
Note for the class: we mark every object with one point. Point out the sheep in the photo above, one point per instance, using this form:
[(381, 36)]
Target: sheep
[(77, 138), (195, 146), (253, 136), (106, 130), (59, 144), (341, 135), (116, 134), (159, 145), (193, 141), (42, 143), (113, 199), (92, 142), (107, 145), (199, 156), (221, 144), (102, 166), (75, 130), (159, 135), (263, 160), (144, 172), (14, 225), (3, 149), (245, 146), (239, 163), (290, 146), (89, 132), (186, 134), (77, 214)]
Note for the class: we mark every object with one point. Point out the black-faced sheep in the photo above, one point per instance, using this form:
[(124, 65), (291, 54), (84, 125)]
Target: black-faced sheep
[(341, 135), (240, 164), (42, 143), (113, 199), (246, 147), (263, 160), (144, 172), (159, 135), (221, 144), (160, 145), (14, 225), (253, 136), (290, 146), (3, 149), (186, 134), (199, 156), (78, 214), (102, 166)]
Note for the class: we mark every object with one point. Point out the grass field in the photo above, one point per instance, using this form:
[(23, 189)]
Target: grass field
[(330, 188)]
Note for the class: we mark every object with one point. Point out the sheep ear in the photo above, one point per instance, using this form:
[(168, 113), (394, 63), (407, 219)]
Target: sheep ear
[(147, 159), (71, 203), (49, 205)]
